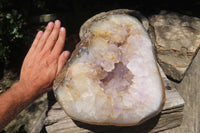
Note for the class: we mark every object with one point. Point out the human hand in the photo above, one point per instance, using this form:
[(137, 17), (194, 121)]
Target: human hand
[(44, 60)]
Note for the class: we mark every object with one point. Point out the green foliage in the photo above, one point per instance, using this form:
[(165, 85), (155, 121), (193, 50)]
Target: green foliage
[(11, 28)]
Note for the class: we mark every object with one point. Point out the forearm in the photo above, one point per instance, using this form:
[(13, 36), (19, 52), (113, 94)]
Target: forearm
[(14, 101)]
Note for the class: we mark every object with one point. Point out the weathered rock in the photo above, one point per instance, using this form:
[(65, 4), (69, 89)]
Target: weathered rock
[(177, 39)]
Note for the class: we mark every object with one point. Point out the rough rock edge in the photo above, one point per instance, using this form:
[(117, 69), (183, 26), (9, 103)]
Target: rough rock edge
[(86, 26), (171, 71)]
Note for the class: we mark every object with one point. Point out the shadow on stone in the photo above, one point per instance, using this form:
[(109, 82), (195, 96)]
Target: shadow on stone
[(143, 128), (51, 99)]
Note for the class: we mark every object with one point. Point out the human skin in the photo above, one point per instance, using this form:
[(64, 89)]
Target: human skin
[(43, 62)]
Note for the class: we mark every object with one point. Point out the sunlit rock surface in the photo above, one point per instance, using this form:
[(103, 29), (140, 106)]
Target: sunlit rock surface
[(112, 77), (177, 40)]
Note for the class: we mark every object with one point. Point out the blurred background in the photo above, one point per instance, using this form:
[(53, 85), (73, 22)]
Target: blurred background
[(21, 19)]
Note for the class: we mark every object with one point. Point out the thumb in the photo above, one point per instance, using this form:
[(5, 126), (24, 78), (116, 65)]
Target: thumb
[(62, 60)]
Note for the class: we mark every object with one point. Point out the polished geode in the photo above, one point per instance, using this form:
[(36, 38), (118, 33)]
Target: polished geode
[(112, 77)]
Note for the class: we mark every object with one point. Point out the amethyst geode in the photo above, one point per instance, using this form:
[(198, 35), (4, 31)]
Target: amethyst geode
[(112, 77)]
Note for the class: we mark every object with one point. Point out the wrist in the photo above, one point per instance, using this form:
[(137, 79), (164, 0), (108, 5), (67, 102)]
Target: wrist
[(13, 101), (27, 92)]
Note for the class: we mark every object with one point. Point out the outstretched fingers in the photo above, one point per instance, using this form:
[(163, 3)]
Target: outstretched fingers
[(37, 38), (45, 59), (45, 36), (56, 51), (35, 43), (53, 37)]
